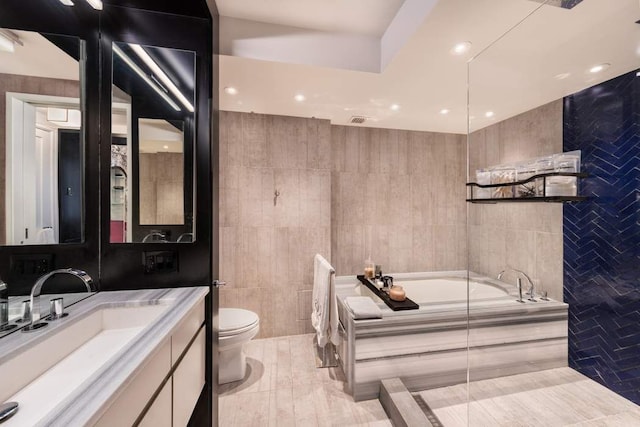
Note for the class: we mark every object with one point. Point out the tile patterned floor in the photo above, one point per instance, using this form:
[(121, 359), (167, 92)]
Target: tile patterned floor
[(284, 388), (555, 397)]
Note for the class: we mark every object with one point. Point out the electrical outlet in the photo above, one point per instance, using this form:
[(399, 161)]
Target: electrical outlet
[(31, 265), (160, 262)]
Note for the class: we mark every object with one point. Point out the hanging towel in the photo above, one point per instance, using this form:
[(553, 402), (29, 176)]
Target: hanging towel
[(324, 317), (46, 236), (363, 308)]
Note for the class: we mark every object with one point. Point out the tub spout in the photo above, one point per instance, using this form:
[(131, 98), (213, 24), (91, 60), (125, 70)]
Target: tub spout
[(520, 274)]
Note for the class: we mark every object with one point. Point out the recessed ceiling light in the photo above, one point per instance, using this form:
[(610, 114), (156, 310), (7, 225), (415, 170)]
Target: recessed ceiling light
[(166, 147), (489, 114), (598, 68), (444, 111), (562, 76), (461, 48), (638, 74), (230, 90), (395, 107), (299, 97)]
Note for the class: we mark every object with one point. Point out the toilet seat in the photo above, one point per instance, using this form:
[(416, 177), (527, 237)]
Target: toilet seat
[(236, 321)]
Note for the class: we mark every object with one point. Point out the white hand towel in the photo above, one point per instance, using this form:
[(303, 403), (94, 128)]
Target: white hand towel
[(363, 308), (324, 317), (46, 236)]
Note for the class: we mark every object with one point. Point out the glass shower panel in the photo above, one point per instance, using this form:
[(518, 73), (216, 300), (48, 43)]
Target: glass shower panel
[(563, 79)]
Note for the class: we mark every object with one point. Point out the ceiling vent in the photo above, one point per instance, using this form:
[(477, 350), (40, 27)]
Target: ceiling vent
[(357, 119)]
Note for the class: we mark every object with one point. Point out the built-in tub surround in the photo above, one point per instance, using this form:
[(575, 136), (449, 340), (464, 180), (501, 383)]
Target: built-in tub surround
[(427, 348), (74, 371)]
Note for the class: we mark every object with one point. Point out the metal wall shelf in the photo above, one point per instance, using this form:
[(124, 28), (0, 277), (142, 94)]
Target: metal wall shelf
[(528, 199)]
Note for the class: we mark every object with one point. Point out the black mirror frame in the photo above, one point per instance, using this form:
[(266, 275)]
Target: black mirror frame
[(82, 22), (122, 264)]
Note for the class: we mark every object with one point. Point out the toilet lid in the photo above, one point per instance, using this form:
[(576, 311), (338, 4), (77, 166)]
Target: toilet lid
[(236, 320)]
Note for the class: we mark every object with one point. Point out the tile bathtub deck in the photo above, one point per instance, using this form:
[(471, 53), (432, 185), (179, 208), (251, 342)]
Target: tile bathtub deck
[(284, 388)]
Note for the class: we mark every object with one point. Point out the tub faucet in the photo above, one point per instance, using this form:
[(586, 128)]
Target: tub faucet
[(519, 283), (34, 302)]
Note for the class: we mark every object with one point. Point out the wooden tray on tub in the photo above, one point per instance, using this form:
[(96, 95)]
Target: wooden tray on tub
[(407, 304)]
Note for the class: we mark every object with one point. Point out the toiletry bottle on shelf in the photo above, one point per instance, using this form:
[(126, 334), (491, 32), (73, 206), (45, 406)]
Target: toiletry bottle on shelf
[(369, 269)]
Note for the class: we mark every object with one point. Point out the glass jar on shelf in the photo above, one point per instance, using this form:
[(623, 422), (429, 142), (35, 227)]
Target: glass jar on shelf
[(543, 166), (564, 185), (503, 175), (483, 177), (524, 171)]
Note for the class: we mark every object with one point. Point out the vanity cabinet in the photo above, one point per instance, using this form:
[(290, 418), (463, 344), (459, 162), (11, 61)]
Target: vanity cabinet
[(166, 389), (159, 413)]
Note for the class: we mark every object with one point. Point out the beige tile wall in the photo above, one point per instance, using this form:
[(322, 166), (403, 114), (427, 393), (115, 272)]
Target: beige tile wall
[(32, 85), (161, 188), (525, 236), (267, 246), (400, 196)]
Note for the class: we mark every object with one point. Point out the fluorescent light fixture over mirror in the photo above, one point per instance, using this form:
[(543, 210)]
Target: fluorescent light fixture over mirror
[(96, 4), (144, 77), (6, 45), (8, 41), (139, 50)]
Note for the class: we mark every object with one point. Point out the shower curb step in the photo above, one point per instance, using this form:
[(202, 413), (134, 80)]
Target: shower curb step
[(400, 405)]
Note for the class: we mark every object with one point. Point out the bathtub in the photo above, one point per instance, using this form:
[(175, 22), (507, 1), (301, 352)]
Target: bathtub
[(446, 290), (443, 290), (427, 347)]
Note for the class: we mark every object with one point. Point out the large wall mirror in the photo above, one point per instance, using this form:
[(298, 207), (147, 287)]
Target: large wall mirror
[(41, 139), (152, 146)]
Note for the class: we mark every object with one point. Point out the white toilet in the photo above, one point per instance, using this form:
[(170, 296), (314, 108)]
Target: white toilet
[(237, 327)]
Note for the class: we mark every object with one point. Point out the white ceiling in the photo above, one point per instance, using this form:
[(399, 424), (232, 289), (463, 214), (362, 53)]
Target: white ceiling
[(365, 17), (516, 74), (38, 57)]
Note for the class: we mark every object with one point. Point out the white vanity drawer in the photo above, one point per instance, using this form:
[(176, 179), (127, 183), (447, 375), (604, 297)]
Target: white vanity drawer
[(132, 400), (186, 331)]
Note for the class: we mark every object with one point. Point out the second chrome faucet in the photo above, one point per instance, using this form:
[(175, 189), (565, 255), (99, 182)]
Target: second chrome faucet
[(519, 276)]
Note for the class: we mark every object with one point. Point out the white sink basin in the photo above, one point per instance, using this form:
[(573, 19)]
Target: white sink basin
[(44, 376)]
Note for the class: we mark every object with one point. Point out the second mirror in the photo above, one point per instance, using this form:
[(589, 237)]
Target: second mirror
[(153, 124)]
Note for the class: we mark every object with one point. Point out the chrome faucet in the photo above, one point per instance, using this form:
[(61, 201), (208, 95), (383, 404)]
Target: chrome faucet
[(163, 238), (519, 283), (34, 302), (185, 237), (4, 306)]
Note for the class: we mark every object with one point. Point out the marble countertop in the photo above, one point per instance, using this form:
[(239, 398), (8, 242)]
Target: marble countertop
[(88, 402)]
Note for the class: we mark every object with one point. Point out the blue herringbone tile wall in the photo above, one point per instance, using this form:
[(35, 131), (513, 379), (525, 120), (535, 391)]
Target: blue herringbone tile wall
[(602, 235)]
